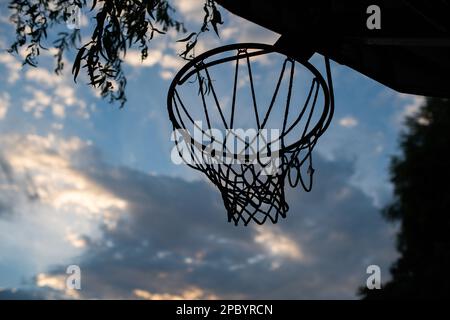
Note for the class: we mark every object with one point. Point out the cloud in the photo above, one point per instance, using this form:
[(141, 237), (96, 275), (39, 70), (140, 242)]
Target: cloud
[(54, 93), (43, 76), (76, 240), (13, 66), (65, 186), (279, 245), (168, 60), (41, 89), (167, 75), (57, 283), (50, 210), (137, 235), (168, 238), (172, 62), (409, 107), (30, 294), (348, 122), (155, 57), (39, 101), (46, 89), (191, 10), (166, 50), (188, 294), (5, 100)]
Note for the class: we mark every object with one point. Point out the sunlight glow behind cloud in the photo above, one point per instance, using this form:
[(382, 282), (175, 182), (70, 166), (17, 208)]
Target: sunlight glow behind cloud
[(57, 183), (193, 293), (56, 207), (278, 244), (56, 282)]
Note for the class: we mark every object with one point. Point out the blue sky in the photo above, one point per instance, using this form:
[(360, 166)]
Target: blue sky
[(84, 182)]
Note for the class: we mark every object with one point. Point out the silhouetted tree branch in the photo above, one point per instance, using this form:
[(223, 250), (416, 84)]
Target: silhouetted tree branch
[(119, 25)]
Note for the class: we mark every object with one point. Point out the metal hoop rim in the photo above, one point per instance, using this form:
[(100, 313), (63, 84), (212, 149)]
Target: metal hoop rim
[(320, 126)]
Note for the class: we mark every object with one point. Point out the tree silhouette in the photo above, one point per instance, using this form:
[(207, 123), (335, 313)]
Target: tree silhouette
[(421, 177), (119, 25)]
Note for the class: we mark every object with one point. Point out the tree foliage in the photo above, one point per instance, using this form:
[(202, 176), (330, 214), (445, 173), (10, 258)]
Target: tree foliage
[(119, 25), (421, 178)]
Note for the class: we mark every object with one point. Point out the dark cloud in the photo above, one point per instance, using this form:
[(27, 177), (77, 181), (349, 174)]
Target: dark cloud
[(174, 238), (31, 294), (5, 175), (9, 196), (5, 169)]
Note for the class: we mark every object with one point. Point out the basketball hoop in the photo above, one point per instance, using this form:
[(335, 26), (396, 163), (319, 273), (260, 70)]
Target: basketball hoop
[(275, 131)]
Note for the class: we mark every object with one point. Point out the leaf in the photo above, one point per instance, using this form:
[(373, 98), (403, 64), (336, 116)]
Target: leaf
[(214, 24), (158, 31), (94, 3), (189, 47), (150, 7), (77, 63), (30, 62), (188, 37), (216, 19)]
